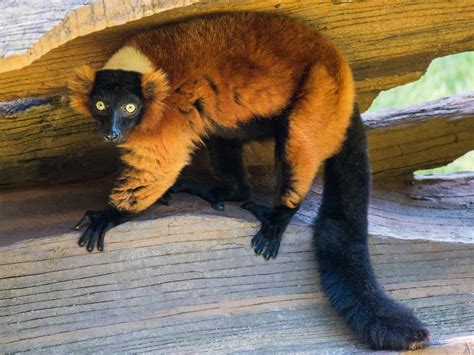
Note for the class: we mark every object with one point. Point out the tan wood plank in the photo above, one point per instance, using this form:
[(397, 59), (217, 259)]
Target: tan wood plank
[(422, 136), (184, 279)]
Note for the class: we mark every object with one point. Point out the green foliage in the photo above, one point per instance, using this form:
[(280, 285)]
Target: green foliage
[(464, 163), (445, 76)]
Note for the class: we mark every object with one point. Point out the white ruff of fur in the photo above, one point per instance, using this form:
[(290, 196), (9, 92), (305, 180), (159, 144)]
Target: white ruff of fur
[(130, 59)]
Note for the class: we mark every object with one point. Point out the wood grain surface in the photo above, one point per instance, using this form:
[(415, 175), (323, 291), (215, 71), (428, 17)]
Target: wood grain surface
[(43, 141), (423, 136), (24, 23), (387, 43), (183, 279)]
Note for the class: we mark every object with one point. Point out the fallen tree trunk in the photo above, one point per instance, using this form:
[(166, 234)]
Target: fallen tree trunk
[(424, 136), (34, 150), (40, 58), (184, 278)]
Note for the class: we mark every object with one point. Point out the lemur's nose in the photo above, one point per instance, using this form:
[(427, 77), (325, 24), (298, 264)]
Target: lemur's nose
[(112, 136)]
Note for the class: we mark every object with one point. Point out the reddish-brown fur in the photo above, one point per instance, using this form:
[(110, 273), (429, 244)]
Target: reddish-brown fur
[(81, 85), (240, 66)]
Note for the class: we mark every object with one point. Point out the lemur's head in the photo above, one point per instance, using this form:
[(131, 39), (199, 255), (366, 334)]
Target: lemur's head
[(120, 97)]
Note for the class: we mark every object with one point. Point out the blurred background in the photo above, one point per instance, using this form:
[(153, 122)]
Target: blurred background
[(445, 76)]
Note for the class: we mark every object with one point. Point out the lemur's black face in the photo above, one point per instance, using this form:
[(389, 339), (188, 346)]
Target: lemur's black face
[(117, 103)]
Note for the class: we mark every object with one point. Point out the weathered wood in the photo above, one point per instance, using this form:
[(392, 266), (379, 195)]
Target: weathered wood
[(427, 208), (432, 134), (25, 24), (424, 209), (382, 57), (43, 141), (189, 282), (461, 345), (27, 38), (402, 141), (37, 59)]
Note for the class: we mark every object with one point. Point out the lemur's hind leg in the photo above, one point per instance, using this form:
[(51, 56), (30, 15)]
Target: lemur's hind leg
[(313, 131), (275, 219), (227, 163)]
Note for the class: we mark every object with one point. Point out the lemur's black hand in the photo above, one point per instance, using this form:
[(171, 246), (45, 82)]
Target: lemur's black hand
[(274, 222), (98, 223)]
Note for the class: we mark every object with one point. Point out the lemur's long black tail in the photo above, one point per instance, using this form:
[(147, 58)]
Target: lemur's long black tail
[(341, 232)]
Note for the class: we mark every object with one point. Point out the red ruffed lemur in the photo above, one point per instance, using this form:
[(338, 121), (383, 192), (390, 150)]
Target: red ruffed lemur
[(224, 80)]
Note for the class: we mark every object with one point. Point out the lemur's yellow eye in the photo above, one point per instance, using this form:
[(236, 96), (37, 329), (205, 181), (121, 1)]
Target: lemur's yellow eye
[(130, 108), (100, 105)]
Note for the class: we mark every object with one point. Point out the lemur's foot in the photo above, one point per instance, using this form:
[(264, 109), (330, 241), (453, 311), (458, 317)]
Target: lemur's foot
[(98, 223), (274, 222), (215, 195)]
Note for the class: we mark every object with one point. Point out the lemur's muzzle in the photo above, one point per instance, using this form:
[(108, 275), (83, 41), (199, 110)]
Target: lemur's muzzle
[(113, 137), (115, 133)]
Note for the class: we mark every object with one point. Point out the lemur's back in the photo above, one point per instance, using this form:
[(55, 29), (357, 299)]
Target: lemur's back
[(219, 41), (259, 62)]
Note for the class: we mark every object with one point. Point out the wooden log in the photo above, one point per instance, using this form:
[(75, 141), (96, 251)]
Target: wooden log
[(37, 57), (461, 345), (189, 282), (43, 144), (43, 141), (402, 141), (382, 56), (423, 136)]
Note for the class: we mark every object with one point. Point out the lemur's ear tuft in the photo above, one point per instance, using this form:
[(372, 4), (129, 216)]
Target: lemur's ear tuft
[(81, 86), (155, 86)]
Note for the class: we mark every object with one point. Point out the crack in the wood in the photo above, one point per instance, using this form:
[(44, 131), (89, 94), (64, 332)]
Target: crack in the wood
[(11, 108)]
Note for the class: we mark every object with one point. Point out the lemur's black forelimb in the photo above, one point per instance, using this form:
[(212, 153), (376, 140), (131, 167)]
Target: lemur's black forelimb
[(228, 167)]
